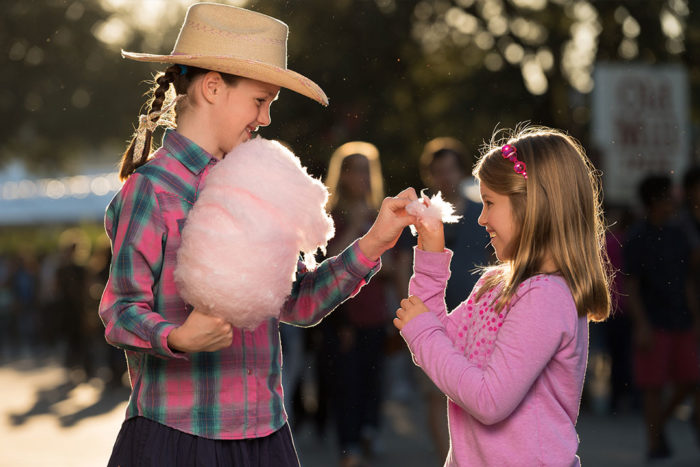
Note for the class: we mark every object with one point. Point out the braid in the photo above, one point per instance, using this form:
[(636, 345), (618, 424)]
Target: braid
[(129, 163), (180, 77)]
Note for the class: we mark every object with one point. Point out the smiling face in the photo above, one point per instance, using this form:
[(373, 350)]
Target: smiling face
[(245, 107), (497, 217)]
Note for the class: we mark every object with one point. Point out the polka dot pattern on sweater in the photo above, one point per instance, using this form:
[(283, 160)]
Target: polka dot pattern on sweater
[(478, 322)]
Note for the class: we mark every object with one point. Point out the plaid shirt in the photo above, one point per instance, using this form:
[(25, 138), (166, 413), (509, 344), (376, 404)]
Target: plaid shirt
[(235, 393)]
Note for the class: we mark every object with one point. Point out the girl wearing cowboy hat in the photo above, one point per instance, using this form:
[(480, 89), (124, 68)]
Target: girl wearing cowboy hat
[(204, 392)]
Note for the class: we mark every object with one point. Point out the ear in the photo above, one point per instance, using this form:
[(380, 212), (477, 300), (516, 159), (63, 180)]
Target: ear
[(211, 86)]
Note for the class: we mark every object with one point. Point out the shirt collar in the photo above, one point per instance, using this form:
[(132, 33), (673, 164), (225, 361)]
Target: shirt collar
[(189, 153)]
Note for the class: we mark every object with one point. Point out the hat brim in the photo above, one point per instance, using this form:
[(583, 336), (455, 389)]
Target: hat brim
[(241, 67)]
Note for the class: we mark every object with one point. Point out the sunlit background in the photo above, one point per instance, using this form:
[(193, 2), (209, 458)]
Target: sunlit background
[(620, 76)]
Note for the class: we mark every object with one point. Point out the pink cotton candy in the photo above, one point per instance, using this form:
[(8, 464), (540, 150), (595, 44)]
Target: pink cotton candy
[(258, 210), (432, 211)]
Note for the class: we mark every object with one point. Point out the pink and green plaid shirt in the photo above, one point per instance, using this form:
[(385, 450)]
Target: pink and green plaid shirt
[(234, 393)]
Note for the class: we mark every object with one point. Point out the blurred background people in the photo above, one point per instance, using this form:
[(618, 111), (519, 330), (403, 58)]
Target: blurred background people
[(71, 310), (24, 282), (690, 222), (617, 329), (663, 308), (352, 347)]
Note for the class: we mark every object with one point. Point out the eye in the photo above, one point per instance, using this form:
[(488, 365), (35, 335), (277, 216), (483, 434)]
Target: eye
[(260, 101)]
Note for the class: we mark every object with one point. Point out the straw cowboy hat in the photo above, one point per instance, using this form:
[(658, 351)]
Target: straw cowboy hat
[(236, 41)]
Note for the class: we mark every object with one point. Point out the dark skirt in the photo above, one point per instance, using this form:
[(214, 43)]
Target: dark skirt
[(144, 443)]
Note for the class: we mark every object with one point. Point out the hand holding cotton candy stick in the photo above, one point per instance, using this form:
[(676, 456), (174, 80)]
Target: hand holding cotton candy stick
[(393, 217), (430, 215)]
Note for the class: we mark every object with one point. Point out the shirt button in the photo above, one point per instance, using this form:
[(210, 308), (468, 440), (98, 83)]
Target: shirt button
[(250, 372)]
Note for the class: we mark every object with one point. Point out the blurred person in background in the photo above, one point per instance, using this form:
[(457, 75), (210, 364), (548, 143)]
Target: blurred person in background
[(51, 327), (354, 336), (690, 217), (663, 308), (7, 333), (690, 221), (618, 328), (71, 310), (23, 279)]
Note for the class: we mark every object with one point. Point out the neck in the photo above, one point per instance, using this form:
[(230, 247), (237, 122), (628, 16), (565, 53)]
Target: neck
[(198, 130)]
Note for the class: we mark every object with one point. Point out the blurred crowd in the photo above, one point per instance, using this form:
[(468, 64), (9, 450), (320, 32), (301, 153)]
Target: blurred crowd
[(337, 375), (48, 306)]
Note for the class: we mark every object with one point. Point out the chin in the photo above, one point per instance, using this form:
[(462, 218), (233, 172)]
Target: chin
[(500, 255)]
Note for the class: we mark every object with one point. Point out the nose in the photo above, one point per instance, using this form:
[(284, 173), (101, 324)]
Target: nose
[(482, 218), (264, 118)]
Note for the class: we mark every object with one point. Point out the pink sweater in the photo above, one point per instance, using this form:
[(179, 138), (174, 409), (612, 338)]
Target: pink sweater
[(513, 380)]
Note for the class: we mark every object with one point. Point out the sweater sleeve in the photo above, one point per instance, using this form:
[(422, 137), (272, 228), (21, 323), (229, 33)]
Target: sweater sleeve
[(431, 271), (541, 320)]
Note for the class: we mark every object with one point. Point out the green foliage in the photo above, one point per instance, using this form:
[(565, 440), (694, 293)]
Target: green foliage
[(63, 91)]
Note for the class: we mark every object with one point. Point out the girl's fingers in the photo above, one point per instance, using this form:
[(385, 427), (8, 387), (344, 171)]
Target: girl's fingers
[(396, 204), (409, 193)]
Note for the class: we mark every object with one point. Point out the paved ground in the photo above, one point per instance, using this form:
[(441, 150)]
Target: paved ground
[(47, 421)]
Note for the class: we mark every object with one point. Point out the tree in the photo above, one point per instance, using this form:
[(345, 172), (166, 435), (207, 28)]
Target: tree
[(398, 73), (551, 47), (61, 93)]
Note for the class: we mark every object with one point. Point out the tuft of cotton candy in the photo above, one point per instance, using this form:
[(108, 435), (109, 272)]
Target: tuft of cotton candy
[(432, 211), (257, 211)]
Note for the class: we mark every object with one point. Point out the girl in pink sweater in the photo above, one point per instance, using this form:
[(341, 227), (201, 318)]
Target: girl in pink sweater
[(511, 358)]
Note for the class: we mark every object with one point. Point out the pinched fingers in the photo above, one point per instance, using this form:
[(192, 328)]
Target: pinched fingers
[(409, 193)]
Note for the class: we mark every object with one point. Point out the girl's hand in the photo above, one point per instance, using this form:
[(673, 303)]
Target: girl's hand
[(391, 220), (431, 237), (201, 333), (410, 308)]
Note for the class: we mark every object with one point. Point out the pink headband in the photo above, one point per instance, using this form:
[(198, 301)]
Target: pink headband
[(511, 153)]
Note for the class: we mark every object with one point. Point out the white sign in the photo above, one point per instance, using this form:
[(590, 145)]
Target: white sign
[(640, 125)]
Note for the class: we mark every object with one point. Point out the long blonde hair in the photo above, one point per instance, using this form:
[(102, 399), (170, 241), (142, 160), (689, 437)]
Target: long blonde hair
[(558, 212), (338, 163)]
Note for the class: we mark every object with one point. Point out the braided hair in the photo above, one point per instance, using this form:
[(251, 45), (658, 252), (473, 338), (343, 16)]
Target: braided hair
[(180, 77)]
